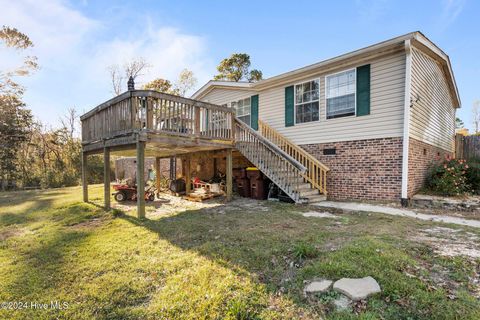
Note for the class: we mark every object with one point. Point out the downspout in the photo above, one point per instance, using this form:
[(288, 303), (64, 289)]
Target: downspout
[(406, 122)]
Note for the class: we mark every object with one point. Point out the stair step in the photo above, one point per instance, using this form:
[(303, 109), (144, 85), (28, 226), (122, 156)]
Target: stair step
[(316, 198), (302, 200), (307, 193), (304, 186), (266, 159)]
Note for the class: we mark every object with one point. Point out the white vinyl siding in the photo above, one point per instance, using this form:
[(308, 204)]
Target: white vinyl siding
[(387, 87), (222, 96), (432, 118), (386, 107)]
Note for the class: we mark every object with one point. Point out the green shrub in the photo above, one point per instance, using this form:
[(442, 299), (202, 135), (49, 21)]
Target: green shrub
[(303, 250), (449, 178), (473, 175)]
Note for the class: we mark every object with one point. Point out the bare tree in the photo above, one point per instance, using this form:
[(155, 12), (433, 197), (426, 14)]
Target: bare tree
[(186, 81), (136, 68), (118, 76), (70, 122), (476, 115)]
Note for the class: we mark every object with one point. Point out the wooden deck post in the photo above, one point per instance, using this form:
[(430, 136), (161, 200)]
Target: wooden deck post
[(106, 177), (197, 121), (232, 123), (157, 174), (84, 177), (188, 184), (229, 169), (140, 179)]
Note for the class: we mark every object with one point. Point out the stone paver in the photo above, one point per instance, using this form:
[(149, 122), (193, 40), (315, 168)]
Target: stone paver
[(469, 203), (357, 289), (353, 206), (318, 286), (317, 214)]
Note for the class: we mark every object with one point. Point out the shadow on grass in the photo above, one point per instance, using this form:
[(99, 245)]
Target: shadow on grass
[(39, 260), (260, 242), (265, 244), (40, 267)]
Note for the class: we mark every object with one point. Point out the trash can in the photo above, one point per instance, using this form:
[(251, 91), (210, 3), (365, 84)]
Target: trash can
[(243, 187), (253, 173), (239, 173), (257, 189)]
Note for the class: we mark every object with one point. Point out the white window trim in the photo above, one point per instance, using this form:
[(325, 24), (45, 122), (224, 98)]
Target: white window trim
[(249, 114), (325, 96), (295, 101)]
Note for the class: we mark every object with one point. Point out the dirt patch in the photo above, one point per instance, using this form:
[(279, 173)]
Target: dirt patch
[(8, 233), (473, 215), (93, 223), (318, 214), (168, 204), (445, 274), (450, 242)]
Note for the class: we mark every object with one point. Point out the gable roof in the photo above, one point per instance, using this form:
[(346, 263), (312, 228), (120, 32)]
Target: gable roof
[(418, 39)]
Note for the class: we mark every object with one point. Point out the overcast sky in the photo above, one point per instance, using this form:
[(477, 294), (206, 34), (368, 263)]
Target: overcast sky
[(75, 41)]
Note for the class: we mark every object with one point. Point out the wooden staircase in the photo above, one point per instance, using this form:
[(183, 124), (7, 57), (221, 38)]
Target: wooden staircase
[(293, 170), (315, 175)]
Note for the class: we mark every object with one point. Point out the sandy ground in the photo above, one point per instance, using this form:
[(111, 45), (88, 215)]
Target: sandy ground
[(168, 204), (443, 240), (451, 242)]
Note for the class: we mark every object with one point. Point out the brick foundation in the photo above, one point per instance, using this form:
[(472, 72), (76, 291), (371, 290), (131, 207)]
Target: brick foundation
[(421, 155), (363, 169)]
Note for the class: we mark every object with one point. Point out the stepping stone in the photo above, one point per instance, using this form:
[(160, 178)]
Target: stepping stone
[(357, 289), (318, 286)]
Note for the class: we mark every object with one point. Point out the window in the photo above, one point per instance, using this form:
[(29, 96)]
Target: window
[(242, 109), (306, 101), (340, 94)]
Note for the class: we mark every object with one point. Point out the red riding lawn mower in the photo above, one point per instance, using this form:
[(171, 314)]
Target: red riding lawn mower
[(125, 192)]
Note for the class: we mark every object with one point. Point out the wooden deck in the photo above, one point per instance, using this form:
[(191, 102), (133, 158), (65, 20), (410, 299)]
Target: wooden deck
[(147, 123), (170, 125)]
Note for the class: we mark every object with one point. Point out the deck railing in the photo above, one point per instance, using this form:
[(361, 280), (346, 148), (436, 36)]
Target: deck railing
[(156, 112), (316, 173)]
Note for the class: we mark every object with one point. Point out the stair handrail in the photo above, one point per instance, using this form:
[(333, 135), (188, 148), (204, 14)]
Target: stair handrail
[(276, 138), (291, 144), (274, 163), (271, 145)]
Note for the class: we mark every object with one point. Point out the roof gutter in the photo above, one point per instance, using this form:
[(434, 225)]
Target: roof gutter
[(406, 121), (415, 38)]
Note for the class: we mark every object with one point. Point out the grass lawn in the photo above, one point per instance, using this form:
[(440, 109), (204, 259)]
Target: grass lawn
[(240, 261)]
